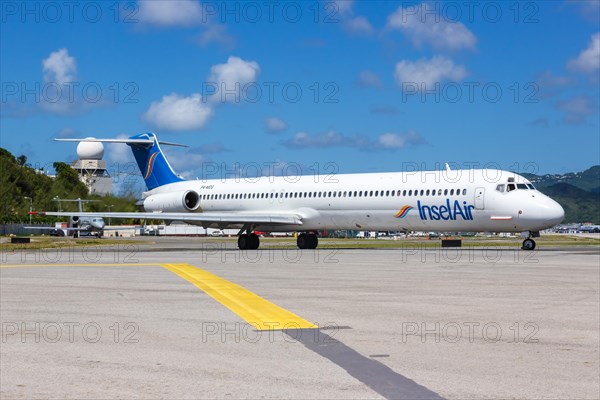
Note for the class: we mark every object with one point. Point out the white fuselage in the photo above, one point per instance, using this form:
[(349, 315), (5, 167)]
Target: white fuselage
[(449, 200)]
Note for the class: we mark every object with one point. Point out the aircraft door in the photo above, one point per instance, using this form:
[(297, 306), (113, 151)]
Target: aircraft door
[(479, 198)]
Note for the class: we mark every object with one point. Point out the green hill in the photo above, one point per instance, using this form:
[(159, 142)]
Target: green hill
[(580, 205), (18, 180), (588, 180)]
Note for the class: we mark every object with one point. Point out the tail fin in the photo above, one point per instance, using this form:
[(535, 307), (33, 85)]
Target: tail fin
[(152, 162)]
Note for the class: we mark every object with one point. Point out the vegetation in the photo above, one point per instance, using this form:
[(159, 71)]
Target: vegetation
[(18, 181)]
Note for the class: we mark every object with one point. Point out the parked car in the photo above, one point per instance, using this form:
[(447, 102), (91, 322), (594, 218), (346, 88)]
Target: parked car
[(217, 233)]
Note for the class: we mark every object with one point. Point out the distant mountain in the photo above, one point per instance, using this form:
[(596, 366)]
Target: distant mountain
[(580, 205), (588, 180)]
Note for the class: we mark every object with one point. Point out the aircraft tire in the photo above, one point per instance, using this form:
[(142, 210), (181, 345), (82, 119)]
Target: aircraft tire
[(302, 241), (313, 241), (254, 241), (528, 244), (244, 242)]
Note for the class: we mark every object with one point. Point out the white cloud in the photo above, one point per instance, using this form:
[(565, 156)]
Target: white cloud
[(551, 85), (327, 139), (589, 59), (342, 7), (231, 77), (275, 125), (59, 67), (179, 113), (170, 12), (386, 141), (358, 25), (422, 25), (368, 79), (397, 141), (215, 33), (426, 72), (577, 109), (343, 10), (120, 153)]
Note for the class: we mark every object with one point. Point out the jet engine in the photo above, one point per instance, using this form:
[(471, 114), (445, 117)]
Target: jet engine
[(75, 221), (185, 201)]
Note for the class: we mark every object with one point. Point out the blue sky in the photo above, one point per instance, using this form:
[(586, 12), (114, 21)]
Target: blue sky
[(367, 86)]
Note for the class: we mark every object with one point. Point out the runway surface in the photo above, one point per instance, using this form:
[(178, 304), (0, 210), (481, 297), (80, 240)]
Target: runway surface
[(167, 320)]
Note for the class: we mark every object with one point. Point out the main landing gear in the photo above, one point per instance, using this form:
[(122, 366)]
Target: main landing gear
[(529, 243), (248, 241), (307, 241)]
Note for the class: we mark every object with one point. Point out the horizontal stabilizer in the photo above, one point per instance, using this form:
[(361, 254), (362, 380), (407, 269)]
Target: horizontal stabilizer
[(126, 141)]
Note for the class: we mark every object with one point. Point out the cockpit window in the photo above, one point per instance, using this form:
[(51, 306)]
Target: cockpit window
[(522, 186), (500, 188), (530, 186), (510, 187)]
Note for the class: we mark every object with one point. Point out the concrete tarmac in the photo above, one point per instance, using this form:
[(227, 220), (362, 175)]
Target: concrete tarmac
[(113, 322)]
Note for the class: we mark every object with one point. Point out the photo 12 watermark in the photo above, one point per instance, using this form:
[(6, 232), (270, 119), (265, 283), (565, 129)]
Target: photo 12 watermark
[(469, 331), (69, 332)]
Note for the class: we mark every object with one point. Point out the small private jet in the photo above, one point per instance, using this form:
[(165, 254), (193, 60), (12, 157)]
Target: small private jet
[(77, 226), (473, 200)]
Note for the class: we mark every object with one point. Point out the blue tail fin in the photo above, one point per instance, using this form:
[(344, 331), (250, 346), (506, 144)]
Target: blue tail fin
[(152, 162)]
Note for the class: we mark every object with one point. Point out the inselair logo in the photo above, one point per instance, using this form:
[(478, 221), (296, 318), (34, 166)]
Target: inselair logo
[(447, 212)]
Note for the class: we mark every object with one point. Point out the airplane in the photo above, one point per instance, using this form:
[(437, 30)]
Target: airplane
[(89, 225), (472, 200)]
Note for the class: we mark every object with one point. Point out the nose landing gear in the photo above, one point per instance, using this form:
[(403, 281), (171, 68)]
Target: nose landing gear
[(529, 243)]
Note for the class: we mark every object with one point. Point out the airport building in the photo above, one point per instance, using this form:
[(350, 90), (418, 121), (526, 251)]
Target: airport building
[(92, 168)]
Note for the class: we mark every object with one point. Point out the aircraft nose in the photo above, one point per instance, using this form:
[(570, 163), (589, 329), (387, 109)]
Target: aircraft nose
[(554, 213)]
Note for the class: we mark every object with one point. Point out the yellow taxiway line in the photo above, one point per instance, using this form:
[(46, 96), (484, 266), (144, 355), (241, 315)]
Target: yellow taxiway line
[(257, 311)]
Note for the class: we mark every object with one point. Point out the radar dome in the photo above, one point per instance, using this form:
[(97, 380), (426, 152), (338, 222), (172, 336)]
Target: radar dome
[(90, 150)]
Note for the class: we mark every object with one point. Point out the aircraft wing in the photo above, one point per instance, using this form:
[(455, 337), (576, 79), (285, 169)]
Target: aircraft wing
[(203, 219), (53, 227)]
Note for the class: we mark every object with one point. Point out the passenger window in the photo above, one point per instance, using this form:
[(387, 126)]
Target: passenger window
[(422, 191), (355, 192), (445, 192), (427, 192), (339, 194), (500, 188), (410, 192), (404, 192), (371, 193), (464, 192), (452, 192)]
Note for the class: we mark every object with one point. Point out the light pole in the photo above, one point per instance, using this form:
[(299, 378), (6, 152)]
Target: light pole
[(56, 198), (109, 208), (30, 207)]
